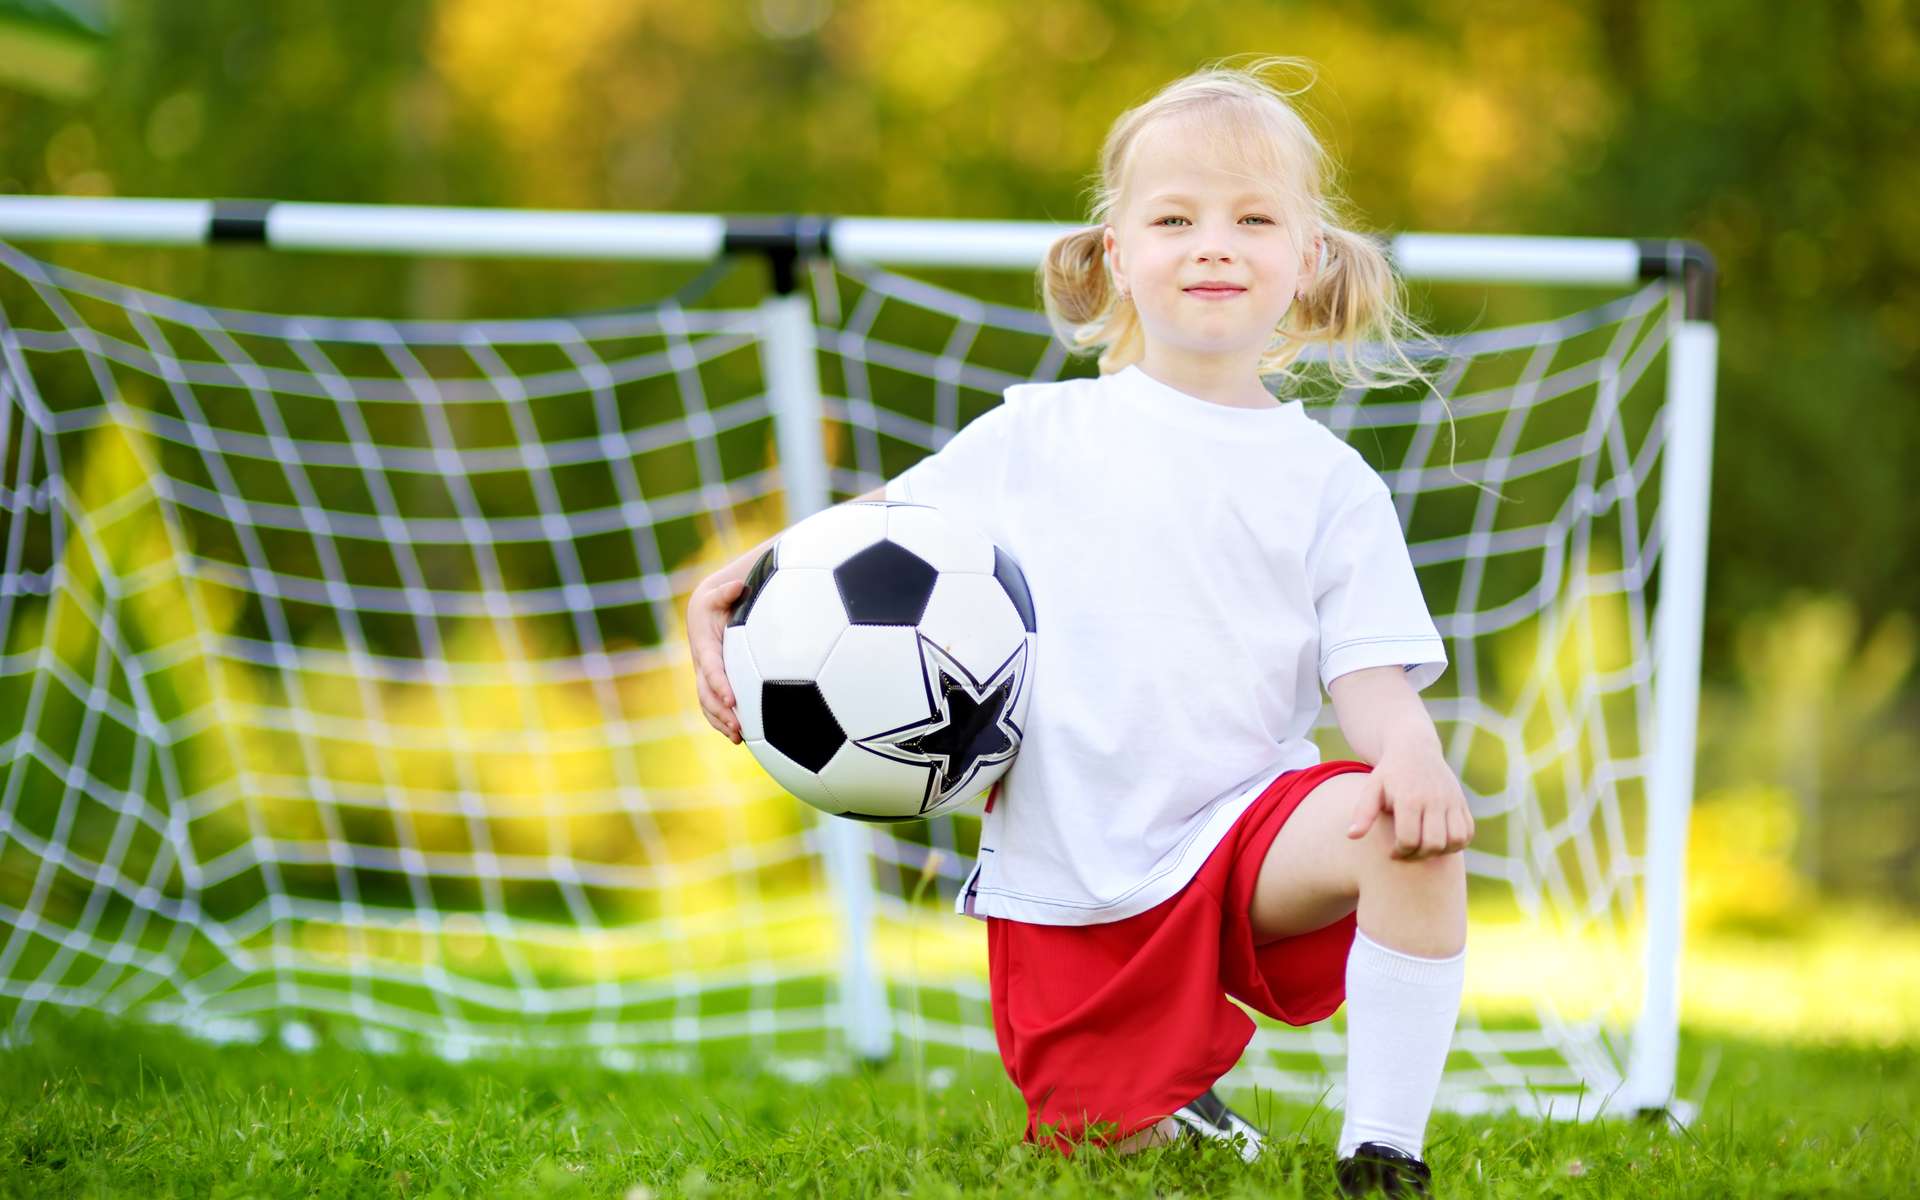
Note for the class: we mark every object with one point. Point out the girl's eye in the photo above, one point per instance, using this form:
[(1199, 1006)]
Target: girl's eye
[(1164, 220)]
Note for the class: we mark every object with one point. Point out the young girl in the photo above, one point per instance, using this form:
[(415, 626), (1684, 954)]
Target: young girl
[(1204, 559)]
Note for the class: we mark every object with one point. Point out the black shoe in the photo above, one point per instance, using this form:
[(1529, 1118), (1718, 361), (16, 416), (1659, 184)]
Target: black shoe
[(1207, 1116), (1378, 1165)]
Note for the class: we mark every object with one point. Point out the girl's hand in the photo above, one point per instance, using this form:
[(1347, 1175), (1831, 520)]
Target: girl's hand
[(1430, 814), (707, 615)]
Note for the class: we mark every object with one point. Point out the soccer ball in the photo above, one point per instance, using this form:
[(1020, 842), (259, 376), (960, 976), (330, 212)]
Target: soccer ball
[(880, 657)]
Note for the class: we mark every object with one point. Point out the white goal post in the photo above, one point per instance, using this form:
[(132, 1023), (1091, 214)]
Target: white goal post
[(1571, 712)]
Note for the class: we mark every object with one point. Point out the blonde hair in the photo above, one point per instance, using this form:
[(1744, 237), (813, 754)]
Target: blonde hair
[(1354, 295)]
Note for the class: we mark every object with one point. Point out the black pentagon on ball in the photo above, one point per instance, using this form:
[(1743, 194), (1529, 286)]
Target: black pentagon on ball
[(756, 583), (885, 584), (1014, 581), (799, 724)]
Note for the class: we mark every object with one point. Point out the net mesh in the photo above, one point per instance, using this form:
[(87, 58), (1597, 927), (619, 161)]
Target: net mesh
[(345, 679)]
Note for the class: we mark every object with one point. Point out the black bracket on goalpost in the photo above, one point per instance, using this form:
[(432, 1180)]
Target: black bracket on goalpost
[(239, 221), (1689, 262), (783, 240)]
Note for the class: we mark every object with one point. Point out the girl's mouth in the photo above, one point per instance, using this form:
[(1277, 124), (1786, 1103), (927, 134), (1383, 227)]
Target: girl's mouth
[(1206, 293)]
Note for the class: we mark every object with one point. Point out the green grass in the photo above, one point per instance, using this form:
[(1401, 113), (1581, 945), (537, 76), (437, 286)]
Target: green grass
[(88, 1108)]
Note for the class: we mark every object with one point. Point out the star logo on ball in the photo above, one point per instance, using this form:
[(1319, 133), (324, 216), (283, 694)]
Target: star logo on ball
[(970, 727)]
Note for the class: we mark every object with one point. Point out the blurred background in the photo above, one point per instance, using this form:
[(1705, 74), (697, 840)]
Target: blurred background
[(1780, 139)]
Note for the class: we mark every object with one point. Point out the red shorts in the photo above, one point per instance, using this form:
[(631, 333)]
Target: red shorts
[(1126, 1021)]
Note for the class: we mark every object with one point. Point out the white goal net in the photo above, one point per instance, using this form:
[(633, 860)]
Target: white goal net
[(345, 690)]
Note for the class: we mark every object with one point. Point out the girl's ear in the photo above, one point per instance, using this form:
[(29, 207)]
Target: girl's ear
[(1310, 264), (1111, 248)]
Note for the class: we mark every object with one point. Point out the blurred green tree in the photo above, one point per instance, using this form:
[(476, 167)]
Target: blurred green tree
[(1783, 144)]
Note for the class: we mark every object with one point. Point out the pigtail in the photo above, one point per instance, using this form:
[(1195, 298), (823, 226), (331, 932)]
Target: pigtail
[(1075, 283), (1083, 305), (1353, 297)]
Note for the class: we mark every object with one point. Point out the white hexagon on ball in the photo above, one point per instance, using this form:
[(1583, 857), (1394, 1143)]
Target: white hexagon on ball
[(794, 623), (787, 773), (832, 536), (863, 682), (947, 544), (970, 617), (873, 787)]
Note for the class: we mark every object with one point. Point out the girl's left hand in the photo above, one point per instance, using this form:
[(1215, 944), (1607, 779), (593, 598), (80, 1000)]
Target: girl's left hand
[(1430, 814)]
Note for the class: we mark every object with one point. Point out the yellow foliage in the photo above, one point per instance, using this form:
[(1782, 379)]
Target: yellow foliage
[(1560, 682), (1806, 680), (1586, 631), (929, 53), (1730, 980), (1740, 872), (558, 81)]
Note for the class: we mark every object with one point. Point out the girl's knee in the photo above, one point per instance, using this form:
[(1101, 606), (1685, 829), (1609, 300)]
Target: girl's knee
[(1381, 852)]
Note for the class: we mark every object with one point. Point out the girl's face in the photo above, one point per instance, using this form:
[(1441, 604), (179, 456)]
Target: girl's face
[(1184, 224)]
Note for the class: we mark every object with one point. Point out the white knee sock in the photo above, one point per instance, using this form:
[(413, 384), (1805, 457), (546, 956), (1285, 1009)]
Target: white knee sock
[(1400, 1016)]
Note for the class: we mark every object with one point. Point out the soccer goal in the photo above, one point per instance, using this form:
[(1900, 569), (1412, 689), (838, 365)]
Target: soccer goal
[(345, 694)]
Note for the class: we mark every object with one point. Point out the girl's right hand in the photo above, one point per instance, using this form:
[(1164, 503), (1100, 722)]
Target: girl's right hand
[(707, 614)]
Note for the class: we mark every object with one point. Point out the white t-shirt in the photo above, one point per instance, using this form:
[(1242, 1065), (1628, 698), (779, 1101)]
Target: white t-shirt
[(1198, 572)]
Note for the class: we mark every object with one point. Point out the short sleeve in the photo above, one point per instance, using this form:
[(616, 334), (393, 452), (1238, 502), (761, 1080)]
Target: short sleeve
[(1366, 596), (966, 477)]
